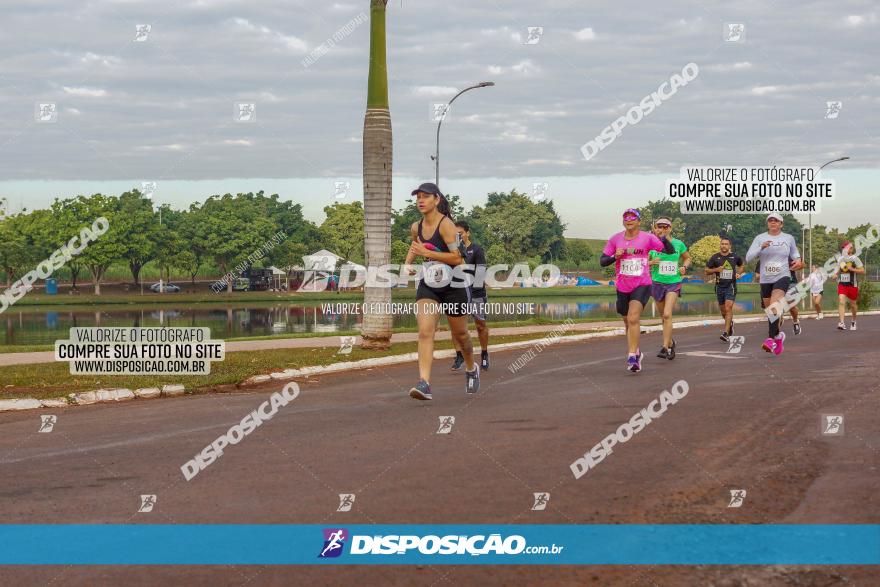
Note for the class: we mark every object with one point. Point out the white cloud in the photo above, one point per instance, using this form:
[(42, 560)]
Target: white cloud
[(168, 147), (764, 90), (525, 67), (547, 162), (856, 20), (738, 66), (105, 60), (585, 34), (85, 92), (434, 91), (519, 133), (268, 97), (238, 142), (289, 41), (546, 113)]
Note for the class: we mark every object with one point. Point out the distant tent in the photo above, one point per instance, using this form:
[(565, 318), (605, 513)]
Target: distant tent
[(746, 278), (586, 281), (692, 280), (280, 280)]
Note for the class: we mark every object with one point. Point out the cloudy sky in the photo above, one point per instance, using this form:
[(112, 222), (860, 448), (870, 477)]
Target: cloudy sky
[(163, 108)]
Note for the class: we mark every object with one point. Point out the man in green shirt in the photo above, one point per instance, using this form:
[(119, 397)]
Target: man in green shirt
[(666, 272)]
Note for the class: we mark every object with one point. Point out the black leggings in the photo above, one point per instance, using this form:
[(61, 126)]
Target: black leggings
[(774, 328)]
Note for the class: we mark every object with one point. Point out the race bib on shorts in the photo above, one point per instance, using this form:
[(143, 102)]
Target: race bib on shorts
[(844, 278), (668, 268), (631, 267), (434, 274), (727, 274), (772, 269)]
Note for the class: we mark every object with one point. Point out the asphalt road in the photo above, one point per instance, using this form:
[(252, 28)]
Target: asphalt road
[(749, 421)]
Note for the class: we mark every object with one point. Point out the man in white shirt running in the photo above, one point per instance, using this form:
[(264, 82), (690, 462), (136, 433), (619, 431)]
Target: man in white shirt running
[(779, 256)]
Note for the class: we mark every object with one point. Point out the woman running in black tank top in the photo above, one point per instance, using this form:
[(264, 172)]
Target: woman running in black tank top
[(436, 286)]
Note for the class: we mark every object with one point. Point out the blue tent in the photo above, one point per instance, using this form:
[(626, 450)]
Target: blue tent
[(692, 280), (746, 278), (586, 281)]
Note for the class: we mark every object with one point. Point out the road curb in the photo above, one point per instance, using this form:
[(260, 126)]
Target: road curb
[(174, 390)]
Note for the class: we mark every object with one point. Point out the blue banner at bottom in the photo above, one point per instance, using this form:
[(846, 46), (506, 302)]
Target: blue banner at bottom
[(537, 544)]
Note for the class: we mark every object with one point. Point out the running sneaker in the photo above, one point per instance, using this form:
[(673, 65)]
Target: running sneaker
[(779, 343), (853, 327), (484, 360), (472, 380), (670, 354), (459, 361), (634, 362), (724, 336), (422, 390), (841, 326), (769, 345), (663, 353), (797, 327)]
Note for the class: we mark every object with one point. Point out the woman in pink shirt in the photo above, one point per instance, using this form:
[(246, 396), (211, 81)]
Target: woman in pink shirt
[(628, 250)]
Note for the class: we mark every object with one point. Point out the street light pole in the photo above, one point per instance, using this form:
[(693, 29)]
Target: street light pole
[(436, 156), (811, 213)]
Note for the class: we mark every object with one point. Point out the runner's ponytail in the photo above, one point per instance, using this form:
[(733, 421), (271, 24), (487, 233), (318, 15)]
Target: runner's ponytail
[(443, 207)]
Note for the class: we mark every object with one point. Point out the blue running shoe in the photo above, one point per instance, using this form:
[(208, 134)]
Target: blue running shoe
[(422, 390), (634, 362)]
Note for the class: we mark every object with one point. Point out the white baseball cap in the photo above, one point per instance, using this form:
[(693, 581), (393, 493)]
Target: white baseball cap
[(775, 215)]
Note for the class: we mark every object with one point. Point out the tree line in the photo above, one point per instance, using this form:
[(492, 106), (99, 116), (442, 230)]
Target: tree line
[(226, 229)]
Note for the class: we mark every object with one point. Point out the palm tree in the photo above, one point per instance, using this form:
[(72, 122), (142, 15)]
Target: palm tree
[(376, 332)]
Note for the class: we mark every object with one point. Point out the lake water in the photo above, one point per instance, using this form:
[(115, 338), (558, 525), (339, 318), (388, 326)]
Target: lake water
[(29, 326)]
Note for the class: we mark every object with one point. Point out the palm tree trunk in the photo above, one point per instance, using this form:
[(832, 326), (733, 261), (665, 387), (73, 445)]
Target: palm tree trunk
[(376, 330)]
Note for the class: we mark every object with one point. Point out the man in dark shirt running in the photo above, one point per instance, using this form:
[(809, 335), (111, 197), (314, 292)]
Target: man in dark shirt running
[(727, 267), (475, 259)]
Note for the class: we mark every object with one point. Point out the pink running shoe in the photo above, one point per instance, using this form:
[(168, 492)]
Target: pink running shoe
[(769, 345), (779, 341)]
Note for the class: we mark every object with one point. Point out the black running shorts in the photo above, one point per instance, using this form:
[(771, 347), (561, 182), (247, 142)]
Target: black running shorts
[(782, 283), (639, 294), (454, 300)]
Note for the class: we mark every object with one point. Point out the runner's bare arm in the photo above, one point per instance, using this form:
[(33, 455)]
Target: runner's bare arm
[(685, 261), (414, 233), (450, 237)]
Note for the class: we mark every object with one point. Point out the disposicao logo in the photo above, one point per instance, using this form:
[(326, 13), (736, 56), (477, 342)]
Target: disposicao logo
[(334, 542)]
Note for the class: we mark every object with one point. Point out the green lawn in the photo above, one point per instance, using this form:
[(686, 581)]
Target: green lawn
[(54, 380)]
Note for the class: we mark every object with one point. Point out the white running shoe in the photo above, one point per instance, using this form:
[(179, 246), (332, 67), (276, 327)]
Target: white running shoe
[(853, 327), (841, 326)]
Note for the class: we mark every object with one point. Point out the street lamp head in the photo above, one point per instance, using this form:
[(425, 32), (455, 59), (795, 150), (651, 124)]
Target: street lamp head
[(485, 84)]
